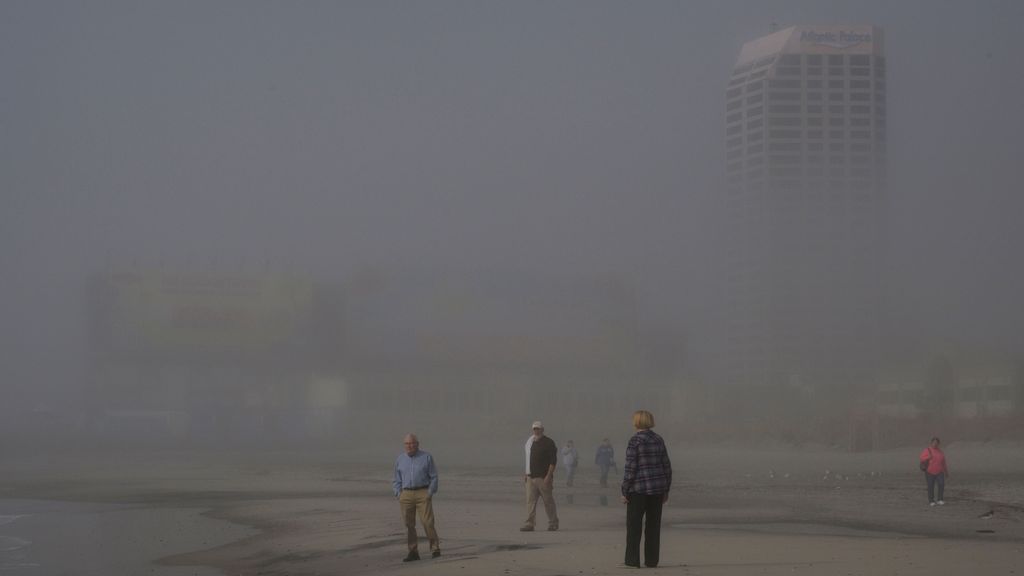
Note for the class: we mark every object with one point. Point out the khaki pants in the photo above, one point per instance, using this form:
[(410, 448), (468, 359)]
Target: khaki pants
[(413, 503), (537, 487)]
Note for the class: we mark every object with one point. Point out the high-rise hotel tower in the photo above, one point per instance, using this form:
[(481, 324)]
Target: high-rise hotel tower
[(805, 160)]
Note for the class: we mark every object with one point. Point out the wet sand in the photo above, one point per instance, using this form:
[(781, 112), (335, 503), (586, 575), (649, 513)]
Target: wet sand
[(731, 512)]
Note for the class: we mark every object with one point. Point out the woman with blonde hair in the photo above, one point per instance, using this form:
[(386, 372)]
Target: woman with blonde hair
[(646, 481)]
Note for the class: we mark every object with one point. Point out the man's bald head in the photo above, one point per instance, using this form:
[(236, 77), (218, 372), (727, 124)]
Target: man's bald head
[(412, 444)]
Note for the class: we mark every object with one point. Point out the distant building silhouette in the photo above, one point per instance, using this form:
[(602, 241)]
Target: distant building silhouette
[(806, 192)]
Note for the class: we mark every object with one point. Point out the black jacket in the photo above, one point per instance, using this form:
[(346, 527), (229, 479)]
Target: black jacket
[(543, 453)]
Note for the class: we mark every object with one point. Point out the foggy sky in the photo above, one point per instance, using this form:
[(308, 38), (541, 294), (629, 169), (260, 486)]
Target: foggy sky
[(553, 137)]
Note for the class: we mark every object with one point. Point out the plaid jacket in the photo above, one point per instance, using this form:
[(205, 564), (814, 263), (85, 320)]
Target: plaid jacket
[(648, 469)]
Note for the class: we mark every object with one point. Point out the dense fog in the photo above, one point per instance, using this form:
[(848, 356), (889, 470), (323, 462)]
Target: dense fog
[(299, 224)]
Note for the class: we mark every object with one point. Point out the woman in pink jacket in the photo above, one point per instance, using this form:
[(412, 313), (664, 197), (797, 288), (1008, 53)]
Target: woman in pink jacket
[(933, 462)]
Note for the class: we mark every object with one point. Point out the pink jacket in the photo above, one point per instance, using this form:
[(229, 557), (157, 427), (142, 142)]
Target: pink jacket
[(936, 460)]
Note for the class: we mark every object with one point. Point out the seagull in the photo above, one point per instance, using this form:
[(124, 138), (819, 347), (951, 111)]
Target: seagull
[(987, 515)]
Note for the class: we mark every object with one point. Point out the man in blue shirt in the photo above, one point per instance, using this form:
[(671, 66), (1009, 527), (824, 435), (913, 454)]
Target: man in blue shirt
[(414, 485)]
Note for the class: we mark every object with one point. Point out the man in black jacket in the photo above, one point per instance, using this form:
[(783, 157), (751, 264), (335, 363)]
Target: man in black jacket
[(541, 457)]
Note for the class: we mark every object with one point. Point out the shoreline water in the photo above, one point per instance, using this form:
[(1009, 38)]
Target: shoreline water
[(52, 537), (730, 512)]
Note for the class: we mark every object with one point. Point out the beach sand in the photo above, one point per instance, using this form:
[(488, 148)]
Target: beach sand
[(732, 511)]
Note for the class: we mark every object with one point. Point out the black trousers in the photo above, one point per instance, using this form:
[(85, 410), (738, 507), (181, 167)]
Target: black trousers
[(643, 516)]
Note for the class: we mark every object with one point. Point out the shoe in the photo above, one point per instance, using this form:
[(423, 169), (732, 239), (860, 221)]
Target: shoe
[(931, 503), (435, 554), (941, 503), (411, 557), (553, 528), (630, 565), (526, 528)]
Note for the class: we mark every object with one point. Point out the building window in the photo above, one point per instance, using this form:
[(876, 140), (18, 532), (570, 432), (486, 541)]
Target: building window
[(860, 84), (755, 135), (783, 96), (835, 134), (814, 121), (787, 71), (784, 84), (815, 147), (785, 159), (755, 149), (755, 111), (733, 130), (756, 98), (784, 133), (860, 96), (835, 84), (784, 108), (860, 60), (784, 147), (815, 134), (755, 86), (860, 71), (860, 109), (814, 95), (860, 134), (733, 105), (835, 60), (814, 108), (837, 121), (733, 92), (734, 117), (835, 109), (835, 71), (784, 121), (733, 142), (814, 60), (789, 60), (836, 146), (860, 121), (755, 123), (835, 97)]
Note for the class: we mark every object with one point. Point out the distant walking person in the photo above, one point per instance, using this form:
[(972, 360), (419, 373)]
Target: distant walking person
[(415, 484), (570, 459), (646, 481), (541, 458), (605, 459), (933, 462)]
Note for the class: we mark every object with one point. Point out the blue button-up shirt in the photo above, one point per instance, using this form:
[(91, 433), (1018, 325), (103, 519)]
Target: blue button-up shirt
[(415, 471)]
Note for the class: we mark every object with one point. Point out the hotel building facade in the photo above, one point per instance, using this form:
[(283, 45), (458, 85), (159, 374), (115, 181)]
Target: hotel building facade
[(805, 143)]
